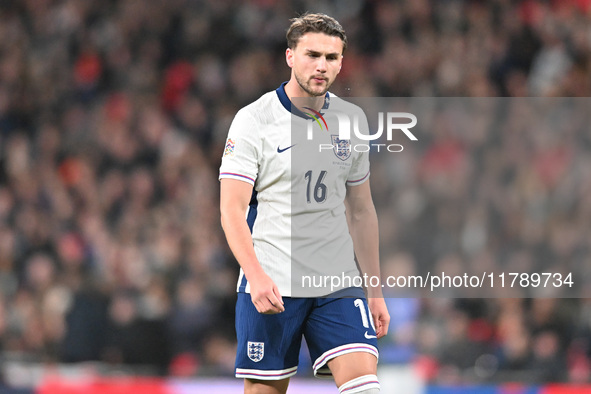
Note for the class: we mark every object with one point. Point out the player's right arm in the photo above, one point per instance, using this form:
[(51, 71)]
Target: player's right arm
[(234, 199)]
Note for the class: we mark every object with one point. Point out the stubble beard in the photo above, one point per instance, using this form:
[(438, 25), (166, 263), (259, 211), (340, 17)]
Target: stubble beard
[(305, 85)]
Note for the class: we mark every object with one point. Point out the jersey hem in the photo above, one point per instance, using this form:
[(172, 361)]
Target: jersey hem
[(239, 177), (358, 181)]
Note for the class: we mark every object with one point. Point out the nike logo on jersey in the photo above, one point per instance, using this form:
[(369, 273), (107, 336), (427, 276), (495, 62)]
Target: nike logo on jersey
[(367, 336), (279, 150)]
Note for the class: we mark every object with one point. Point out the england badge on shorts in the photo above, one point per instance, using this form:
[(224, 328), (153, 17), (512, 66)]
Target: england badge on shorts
[(341, 148), (256, 351)]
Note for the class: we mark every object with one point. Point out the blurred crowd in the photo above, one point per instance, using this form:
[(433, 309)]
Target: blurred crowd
[(497, 185), (113, 116)]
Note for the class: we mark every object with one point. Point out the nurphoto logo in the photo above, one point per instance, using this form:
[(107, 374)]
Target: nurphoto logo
[(345, 125)]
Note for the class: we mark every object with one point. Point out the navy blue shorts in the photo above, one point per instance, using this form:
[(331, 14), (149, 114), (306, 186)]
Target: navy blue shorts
[(269, 345)]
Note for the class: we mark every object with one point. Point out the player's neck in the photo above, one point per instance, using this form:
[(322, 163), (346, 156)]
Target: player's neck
[(293, 89)]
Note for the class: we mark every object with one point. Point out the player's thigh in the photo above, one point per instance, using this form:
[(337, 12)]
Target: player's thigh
[(252, 386), (352, 365), (341, 326), (268, 345)]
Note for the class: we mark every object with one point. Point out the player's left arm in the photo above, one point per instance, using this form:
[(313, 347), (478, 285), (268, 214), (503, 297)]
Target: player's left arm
[(363, 226)]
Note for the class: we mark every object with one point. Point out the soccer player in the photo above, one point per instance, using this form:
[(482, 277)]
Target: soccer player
[(256, 212)]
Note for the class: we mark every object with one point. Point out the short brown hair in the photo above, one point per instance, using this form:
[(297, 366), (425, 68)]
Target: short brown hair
[(314, 23)]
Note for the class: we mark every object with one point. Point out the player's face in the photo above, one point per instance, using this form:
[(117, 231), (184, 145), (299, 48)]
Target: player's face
[(315, 62)]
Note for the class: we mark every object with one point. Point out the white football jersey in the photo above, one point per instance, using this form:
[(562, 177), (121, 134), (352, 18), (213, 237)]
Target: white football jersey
[(297, 212)]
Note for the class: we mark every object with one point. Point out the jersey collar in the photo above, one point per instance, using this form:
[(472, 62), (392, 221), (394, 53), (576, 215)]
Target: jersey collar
[(286, 102)]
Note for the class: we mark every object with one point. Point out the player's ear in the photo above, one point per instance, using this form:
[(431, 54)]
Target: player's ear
[(289, 57)]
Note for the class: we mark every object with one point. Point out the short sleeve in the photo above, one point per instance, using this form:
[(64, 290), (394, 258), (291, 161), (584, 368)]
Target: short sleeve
[(242, 150), (359, 172)]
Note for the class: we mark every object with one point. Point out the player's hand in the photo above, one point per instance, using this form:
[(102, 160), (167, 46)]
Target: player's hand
[(381, 317), (265, 295)]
